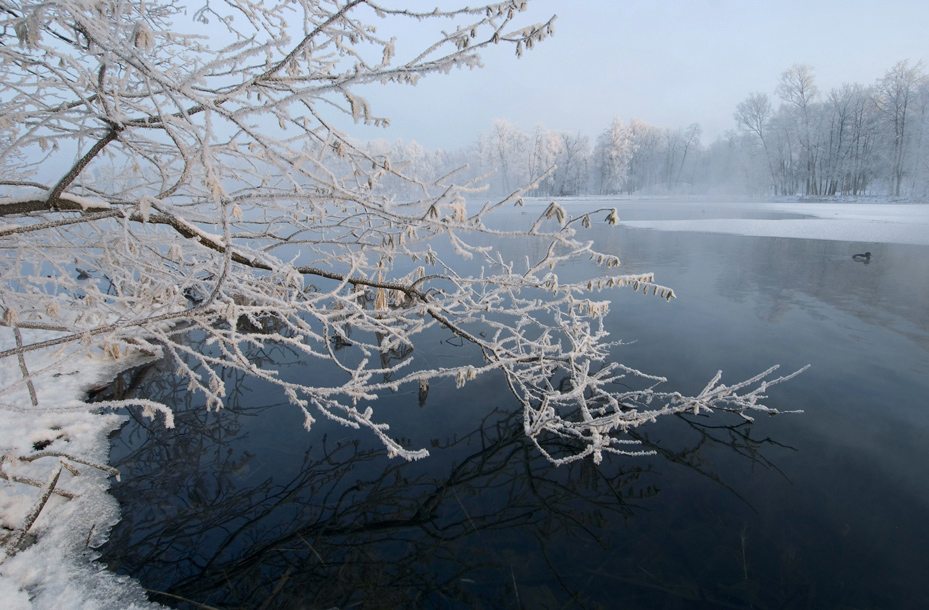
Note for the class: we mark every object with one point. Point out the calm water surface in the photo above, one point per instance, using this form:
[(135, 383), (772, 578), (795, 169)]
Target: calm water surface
[(824, 509)]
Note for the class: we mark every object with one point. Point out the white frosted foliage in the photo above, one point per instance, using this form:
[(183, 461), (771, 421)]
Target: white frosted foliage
[(164, 184)]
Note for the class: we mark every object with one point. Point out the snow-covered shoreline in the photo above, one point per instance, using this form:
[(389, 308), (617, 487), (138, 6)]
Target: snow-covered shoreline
[(58, 569)]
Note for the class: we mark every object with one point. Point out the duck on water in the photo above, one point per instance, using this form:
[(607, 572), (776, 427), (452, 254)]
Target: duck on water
[(866, 257)]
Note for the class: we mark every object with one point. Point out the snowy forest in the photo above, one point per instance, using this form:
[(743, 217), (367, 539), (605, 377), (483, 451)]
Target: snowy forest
[(854, 140)]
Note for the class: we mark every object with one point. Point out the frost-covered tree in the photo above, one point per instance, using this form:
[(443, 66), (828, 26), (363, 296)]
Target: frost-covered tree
[(159, 182), (645, 156), (753, 116), (797, 87), (544, 148), (849, 157), (681, 145), (895, 94), (857, 140), (509, 155), (920, 171), (571, 165), (614, 149)]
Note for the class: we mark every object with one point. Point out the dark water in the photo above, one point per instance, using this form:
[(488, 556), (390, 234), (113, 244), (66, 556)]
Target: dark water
[(825, 509)]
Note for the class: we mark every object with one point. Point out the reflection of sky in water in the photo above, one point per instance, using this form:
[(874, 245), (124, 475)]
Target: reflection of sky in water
[(838, 520)]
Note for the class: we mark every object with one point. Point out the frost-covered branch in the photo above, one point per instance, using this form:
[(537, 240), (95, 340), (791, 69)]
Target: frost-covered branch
[(160, 185)]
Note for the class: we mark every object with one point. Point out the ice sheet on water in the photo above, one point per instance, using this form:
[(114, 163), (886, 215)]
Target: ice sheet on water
[(867, 223)]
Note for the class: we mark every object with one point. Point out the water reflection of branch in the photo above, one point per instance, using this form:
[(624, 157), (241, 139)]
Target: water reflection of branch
[(347, 513), (735, 437), (206, 520), (739, 439)]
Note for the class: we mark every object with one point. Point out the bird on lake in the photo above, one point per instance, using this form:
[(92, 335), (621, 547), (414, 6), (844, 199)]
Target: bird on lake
[(866, 257)]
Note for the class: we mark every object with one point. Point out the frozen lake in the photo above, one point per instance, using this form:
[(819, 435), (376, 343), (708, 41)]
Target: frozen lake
[(823, 509)]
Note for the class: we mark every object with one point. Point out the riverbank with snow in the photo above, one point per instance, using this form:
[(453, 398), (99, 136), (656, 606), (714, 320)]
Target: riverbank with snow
[(54, 566)]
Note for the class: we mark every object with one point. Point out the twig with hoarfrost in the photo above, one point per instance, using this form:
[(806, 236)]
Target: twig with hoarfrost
[(12, 544), (158, 188)]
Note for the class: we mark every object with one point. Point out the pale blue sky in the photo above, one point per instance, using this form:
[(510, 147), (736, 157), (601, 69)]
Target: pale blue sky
[(668, 62)]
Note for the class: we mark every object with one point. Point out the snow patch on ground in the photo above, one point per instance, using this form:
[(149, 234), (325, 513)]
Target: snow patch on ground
[(57, 568), (865, 223)]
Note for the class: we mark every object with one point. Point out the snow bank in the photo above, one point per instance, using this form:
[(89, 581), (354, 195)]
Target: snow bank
[(866, 223), (58, 569), (872, 212)]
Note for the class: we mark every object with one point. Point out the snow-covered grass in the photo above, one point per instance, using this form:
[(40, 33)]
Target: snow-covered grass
[(56, 567)]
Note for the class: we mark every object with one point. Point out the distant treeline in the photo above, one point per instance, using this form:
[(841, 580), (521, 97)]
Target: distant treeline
[(853, 140)]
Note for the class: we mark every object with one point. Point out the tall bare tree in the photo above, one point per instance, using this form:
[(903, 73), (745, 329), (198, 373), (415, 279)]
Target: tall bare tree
[(798, 89), (895, 95)]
